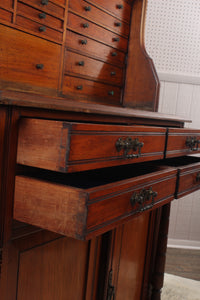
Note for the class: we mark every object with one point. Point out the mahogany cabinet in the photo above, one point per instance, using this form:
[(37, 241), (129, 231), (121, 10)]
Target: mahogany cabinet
[(88, 168)]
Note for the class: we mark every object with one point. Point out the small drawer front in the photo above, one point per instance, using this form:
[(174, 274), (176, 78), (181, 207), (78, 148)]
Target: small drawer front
[(84, 213), (39, 29), (91, 90), (8, 4), (92, 69), (98, 16), (51, 7), (94, 49), (5, 15), (119, 8), (89, 29), (39, 16), (182, 142), (37, 66), (70, 147)]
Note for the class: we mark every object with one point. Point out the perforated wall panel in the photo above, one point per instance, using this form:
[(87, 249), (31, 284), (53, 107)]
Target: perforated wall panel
[(172, 35)]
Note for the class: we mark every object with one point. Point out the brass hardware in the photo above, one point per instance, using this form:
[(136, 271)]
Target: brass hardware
[(118, 24), (129, 144), (42, 28), (120, 6), (192, 143), (42, 16), (81, 63), (198, 177), (140, 198), (84, 42), (111, 288), (111, 93), (88, 8), (113, 73), (44, 2), (85, 25), (116, 39), (79, 87), (40, 66), (114, 53)]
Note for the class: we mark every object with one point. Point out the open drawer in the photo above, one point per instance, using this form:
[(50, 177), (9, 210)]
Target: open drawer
[(72, 147), (85, 204)]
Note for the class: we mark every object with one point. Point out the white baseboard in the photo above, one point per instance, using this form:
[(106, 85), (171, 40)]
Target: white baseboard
[(179, 78), (184, 244)]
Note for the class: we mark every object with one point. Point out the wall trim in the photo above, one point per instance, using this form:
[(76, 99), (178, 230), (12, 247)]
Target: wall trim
[(179, 78), (184, 244)]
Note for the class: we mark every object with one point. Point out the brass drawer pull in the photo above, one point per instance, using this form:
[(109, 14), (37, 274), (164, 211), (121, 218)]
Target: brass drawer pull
[(42, 28), (116, 39), (81, 63), (84, 42), (192, 143), (128, 145), (198, 177), (114, 53), (42, 16), (113, 73), (40, 66), (111, 93), (79, 87), (86, 25), (88, 8), (44, 2), (140, 198), (118, 24), (120, 6)]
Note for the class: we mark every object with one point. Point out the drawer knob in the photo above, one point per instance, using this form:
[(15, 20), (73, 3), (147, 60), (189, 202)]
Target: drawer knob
[(44, 2), (111, 93), (84, 42), (192, 143), (40, 66), (88, 8), (79, 87), (140, 200), (42, 16), (81, 63), (128, 144), (114, 53), (86, 25), (118, 24), (113, 73), (116, 39), (120, 6), (42, 28)]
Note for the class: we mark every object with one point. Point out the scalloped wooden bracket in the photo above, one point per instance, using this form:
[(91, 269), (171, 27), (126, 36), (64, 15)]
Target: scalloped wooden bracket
[(142, 83)]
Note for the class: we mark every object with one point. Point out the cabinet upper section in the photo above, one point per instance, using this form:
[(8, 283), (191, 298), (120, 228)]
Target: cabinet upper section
[(82, 50)]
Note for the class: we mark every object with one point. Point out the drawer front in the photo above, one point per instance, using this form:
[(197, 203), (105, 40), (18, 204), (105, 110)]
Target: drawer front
[(71, 147), (89, 29), (91, 90), (85, 213), (51, 7), (98, 16), (8, 4), (37, 66), (188, 179), (182, 142), (94, 49), (119, 8), (39, 29), (5, 15), (92, 69), (39, 16)]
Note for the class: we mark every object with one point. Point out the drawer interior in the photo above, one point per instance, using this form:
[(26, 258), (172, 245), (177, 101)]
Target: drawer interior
[(183, 161)]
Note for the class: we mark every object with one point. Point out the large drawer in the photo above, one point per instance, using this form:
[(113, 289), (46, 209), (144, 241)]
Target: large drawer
[(71, 147), (86, 204), (182, 141)]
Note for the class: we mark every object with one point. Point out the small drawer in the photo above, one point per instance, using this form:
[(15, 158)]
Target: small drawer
[(87, 204), (8, 4), (119, 8), (51, 7), (92, 68), (5, 15), (71, 147), (89, 29), (98, 16), (39, 29), (39, 16), (94, 49), (182, 141), (92, 91), (31, 61)]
